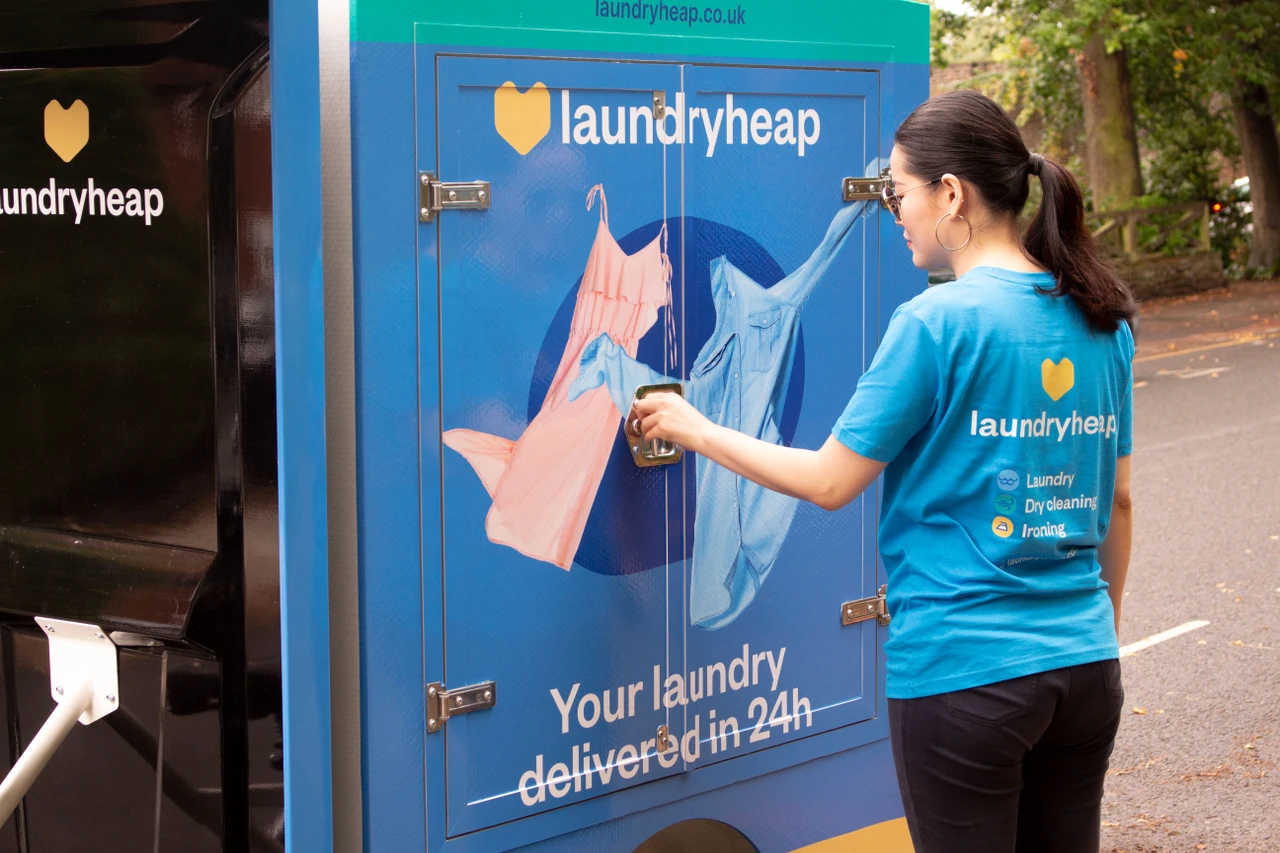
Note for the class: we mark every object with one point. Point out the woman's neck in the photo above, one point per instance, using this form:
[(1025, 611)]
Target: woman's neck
[(998, 247)]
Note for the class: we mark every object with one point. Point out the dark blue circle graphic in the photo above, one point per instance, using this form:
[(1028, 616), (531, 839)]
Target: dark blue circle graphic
[(628, 530)]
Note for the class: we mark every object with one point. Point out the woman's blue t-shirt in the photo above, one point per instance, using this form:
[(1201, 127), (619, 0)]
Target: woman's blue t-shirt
[(1001, 414)]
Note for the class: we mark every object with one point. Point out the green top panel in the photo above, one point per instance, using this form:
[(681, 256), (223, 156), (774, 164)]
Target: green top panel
[(861, 31)]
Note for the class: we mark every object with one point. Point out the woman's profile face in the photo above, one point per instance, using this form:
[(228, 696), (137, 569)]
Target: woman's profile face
[(918, 212)]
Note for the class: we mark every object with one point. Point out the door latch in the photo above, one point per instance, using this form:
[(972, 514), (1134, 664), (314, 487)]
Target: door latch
[(647, 454), (865, 189), (435, 196), (863, 609), (443, 704), (659, 105)]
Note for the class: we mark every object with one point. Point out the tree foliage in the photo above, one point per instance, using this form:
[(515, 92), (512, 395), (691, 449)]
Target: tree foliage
[(1184, 58)]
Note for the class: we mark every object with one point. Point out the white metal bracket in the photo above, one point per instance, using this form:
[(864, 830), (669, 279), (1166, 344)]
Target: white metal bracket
[(78, 653), (83, 681)]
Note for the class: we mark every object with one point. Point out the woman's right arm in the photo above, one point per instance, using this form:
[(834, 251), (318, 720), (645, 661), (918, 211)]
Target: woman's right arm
[(1113, 554)]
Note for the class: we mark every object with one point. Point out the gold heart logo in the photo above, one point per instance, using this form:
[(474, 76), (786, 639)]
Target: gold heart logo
[(66, 131), (1058, 378), (522, 118)]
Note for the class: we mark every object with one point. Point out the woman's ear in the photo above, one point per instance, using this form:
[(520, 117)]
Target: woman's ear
[(951, 197)]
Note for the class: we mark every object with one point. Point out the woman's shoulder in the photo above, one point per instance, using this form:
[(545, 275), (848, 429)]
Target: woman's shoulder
[(970, 307), (940, 300)]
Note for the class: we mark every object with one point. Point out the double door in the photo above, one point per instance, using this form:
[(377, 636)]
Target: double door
[(645, 221)]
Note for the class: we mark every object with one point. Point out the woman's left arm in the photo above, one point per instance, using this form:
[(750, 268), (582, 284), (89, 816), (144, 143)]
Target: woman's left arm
[(829, 477)]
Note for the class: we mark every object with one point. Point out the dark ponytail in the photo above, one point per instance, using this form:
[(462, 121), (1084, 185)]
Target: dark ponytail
[(967, 134)]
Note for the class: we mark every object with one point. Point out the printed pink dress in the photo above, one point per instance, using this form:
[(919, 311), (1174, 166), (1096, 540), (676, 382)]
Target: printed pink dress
[(544, 483)]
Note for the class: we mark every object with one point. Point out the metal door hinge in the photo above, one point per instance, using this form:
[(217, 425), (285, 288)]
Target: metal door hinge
[(443, 704), (866, 608), (435, 196), (865, 189)]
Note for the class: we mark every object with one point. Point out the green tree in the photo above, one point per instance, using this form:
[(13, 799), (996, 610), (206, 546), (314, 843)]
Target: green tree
[(1193, 78), (1070, 62), (1111, 136), (1235, 47), (1186, 128), (944, 28)]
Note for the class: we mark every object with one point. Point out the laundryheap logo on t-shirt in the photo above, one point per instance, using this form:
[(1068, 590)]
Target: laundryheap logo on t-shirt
[(1057, 379)]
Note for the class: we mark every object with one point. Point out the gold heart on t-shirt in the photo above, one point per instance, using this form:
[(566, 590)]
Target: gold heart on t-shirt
[(1058, 378)]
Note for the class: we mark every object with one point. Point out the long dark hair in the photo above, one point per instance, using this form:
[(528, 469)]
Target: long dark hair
[(967, 134)]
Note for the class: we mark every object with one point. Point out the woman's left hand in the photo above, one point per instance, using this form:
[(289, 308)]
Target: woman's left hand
[(672, 418)]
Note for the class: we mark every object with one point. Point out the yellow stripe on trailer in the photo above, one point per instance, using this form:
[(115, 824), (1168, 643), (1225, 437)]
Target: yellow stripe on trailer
[(888, 837)]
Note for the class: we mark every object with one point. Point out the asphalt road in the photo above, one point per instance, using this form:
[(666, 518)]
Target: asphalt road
[(1195, 764)]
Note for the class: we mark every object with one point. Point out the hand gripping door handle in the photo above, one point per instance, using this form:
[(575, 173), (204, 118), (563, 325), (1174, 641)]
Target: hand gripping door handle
[(649, 454)]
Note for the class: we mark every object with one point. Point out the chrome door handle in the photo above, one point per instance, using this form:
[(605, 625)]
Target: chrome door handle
[(648, 454)]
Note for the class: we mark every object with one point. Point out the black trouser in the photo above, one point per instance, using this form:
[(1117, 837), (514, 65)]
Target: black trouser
[(1013, 766)]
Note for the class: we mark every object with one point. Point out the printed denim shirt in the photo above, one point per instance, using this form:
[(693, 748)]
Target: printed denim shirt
[(739, 380)]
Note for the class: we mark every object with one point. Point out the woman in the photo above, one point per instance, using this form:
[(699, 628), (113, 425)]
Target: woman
[(999, 408)]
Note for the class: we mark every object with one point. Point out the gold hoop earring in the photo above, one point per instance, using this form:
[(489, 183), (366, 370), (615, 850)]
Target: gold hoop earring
[(939, 239)]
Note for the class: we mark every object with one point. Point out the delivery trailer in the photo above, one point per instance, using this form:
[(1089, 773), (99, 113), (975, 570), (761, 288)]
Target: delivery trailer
[(323, 323)]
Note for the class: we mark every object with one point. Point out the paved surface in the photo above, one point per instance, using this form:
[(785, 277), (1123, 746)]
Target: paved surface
[(1195, 765), (1245, 310)]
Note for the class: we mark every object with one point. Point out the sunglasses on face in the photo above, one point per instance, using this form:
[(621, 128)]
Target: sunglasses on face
[(892, 196)]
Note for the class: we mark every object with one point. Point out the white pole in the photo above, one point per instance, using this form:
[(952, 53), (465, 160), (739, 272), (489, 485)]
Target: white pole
[(51, 735)]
